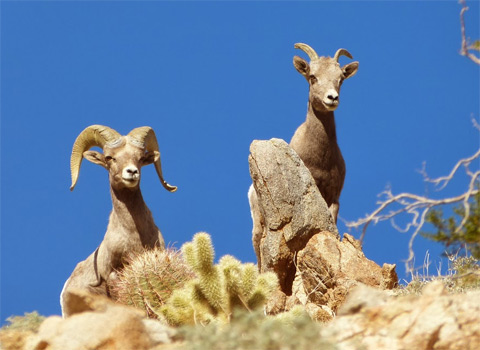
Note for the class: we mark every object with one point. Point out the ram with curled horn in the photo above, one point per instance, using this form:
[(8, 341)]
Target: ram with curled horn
[(315, 141), (131, 227)]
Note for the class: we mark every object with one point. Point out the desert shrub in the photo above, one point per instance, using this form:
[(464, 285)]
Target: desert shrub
[(28, 322), (457, 238), (256, 331), (14, 335), (463, 275)]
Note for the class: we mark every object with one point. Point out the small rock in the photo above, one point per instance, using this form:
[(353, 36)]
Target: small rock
[(362, 297), (320, 313), (434, 288), (158, 332), (276, 303)]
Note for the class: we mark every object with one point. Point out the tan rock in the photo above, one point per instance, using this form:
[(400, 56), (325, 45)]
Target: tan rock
[(371, 319), (81, 300), (99, 324), (327, 269), (276, 303), (14, 339), (291, 207), (320, 313)]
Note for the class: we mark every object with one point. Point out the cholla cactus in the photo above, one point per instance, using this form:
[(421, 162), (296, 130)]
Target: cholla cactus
[(150, 278), (217, 289)]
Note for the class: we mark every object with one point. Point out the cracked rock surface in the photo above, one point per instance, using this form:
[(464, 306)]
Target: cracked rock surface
[(372, 319), (290, 203), (299, 239)]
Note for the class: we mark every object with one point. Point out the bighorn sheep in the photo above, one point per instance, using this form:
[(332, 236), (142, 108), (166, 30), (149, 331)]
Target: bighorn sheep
[(315, 141), (131, 226)]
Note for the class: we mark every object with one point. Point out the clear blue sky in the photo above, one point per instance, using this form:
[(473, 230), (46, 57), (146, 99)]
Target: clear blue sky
[(210, 77)]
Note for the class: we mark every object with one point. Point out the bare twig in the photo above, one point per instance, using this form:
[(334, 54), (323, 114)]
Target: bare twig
[(465, 47), (446, 179), (476, 125), (419, 206)]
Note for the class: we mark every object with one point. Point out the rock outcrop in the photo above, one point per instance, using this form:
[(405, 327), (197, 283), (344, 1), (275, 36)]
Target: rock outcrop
[(290, 204), (372, 319), (98, 323), (327, 269), (300, 241)]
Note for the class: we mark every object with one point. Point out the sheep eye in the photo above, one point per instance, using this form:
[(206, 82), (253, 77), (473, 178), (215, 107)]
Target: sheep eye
[(313, 79), (109, 158)]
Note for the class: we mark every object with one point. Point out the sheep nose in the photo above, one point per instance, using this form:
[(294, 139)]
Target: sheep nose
[(131, 172), (332, 96), (331, 99)]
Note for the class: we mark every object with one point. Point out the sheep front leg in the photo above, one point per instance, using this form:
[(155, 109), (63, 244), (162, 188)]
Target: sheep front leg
[(258, 223), (334, 207)]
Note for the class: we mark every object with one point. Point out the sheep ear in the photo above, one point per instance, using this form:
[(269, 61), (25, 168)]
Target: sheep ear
[(301, 66), (151, 157), (95, 157), (349, 70)]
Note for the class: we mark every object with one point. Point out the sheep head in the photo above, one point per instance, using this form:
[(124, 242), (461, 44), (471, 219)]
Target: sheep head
[(324, 75), (123, 156)]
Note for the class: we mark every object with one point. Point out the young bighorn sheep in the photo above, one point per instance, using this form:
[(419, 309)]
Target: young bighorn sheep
[(315, 141), (131, 227)]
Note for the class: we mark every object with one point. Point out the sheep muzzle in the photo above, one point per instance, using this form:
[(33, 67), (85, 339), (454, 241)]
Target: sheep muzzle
[(130, 176)]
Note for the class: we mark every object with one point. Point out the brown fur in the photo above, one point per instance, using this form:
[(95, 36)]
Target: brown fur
[(315, 141), (131, 226)]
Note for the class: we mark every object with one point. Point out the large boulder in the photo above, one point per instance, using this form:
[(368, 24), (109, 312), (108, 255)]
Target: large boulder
[(327, 269), (99, 323), (290, 204)]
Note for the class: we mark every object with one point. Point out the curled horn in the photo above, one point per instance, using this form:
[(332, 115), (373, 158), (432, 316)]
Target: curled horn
[(92, 136), (342, 52), (308, 50), (145, 136)]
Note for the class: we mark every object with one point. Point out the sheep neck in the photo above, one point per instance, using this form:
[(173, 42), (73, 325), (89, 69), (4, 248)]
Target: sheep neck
[(321, 123), (131, 212)]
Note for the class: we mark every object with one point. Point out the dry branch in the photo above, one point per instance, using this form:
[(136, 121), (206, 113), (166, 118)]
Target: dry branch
[(465, 47), (419, 206)]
